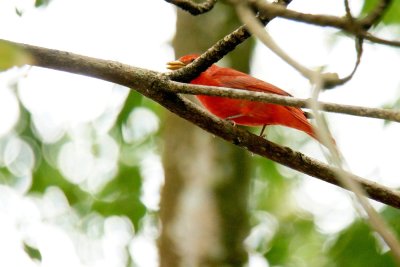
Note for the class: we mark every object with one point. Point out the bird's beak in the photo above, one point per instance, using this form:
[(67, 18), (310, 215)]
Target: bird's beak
[(175, 65)]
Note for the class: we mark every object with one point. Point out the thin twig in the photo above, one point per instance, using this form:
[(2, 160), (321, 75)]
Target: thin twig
[(348, 11), (151, 84), (355, 28), (359, 49), (193, 7), (374, 39), (330, 79), (329, 84), (256, 28), (218, 50), (316, 19), (377, 113), (374, 219)]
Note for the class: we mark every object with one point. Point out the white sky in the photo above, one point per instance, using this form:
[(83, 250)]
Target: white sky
[(138, 33)]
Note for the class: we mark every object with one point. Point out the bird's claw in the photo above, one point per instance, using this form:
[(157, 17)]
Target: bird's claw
[(262, 134), (232, 122)]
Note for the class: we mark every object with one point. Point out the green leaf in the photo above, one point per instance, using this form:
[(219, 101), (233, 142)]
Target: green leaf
[(392, 13), (11, 55), (32, 252)]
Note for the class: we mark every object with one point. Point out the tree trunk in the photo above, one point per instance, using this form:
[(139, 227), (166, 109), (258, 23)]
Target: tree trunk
[(204, 200)]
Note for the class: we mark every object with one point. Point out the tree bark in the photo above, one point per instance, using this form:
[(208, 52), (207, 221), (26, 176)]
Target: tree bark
[(204, 200)]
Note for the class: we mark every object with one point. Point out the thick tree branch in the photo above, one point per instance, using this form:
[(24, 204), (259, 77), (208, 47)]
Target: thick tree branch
[(152, 84)]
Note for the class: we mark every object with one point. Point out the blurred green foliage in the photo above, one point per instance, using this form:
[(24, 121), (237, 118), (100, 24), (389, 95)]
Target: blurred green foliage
[(358, 246), (293, 239), (121, 196), (42, 3)]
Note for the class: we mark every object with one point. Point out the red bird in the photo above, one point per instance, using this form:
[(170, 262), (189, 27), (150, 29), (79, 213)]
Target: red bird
[(244, 112)]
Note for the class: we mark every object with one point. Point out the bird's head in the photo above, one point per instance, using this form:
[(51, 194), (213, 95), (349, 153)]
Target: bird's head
[(182, 62)]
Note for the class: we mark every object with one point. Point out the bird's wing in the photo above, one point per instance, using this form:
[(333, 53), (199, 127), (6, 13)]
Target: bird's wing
[(227, 77), (235, 79)]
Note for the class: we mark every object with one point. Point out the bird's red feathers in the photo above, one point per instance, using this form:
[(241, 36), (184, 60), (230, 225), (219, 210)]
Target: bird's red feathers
[(245, 112)]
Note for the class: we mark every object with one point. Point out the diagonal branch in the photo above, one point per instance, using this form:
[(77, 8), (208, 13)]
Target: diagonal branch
[(375, 39), (336, 158), (151, 84), (246, 16), (219, 50)]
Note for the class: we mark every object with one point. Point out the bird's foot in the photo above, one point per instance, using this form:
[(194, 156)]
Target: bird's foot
[(231, 118), (232, 122), (263, 133)]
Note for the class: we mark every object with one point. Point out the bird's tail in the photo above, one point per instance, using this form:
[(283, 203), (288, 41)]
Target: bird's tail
[(302, 124)]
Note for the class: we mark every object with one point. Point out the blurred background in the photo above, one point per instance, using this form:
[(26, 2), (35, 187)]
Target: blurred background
[(86, 165)]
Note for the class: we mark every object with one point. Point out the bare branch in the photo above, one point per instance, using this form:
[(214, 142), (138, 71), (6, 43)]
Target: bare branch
[(321, 20), (372, 38), (329, 84), (373, 217), (378, 113), (257, 29), (330, 80), (342, 23), (218, 50), (192, 7), (151, 84), (348, 11)]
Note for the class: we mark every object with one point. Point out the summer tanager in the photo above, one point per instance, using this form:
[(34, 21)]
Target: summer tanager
[(244, 112)]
